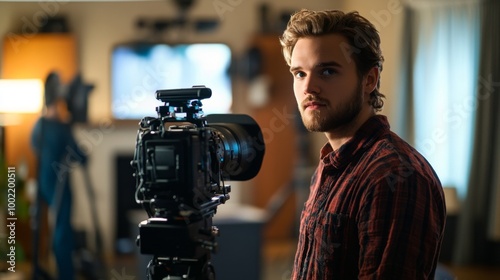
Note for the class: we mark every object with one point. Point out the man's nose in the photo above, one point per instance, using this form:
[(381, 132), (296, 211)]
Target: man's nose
[(311, 85)]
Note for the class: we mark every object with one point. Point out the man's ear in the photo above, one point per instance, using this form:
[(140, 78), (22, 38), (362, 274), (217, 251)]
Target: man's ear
[(370, 80)]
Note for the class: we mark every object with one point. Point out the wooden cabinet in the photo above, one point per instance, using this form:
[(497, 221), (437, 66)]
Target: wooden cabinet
[(33, 56), (278, 120)]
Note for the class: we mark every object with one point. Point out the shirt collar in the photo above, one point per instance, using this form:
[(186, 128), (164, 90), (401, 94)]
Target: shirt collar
[(366, 135)]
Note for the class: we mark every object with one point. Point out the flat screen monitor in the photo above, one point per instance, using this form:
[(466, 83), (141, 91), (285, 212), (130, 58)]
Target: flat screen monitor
[(139, 69)]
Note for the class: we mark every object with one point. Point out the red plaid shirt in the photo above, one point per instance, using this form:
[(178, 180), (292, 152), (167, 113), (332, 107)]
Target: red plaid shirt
[(375, 211)]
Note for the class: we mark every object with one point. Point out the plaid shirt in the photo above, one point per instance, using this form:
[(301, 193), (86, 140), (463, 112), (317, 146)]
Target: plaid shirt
[(375, 211)]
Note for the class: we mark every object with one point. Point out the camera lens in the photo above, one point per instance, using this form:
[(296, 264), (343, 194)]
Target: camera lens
[(241, 145)]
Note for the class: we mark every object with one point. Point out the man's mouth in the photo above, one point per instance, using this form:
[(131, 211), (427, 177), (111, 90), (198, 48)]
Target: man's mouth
[(313, 105)]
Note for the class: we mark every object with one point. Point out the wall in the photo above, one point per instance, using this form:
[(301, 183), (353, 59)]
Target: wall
[(99, 26)]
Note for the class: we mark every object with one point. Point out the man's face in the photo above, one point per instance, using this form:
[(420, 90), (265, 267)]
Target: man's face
[(326, 85)]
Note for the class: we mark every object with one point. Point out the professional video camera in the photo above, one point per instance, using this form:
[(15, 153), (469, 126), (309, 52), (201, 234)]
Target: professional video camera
[(182, 160)]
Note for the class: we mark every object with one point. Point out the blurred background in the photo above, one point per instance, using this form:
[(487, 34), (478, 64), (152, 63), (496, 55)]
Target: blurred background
[(440, 77)]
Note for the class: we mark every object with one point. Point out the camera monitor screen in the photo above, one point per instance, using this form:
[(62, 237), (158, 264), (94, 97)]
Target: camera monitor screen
[(139, 69)]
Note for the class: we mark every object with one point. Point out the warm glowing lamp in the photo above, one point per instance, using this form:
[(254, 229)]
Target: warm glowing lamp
[(18, 96), (21, 95)]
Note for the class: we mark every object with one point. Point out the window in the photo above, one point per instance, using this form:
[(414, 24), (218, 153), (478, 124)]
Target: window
[(444, 85)]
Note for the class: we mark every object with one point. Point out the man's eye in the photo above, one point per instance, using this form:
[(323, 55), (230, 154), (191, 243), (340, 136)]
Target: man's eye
[(328, 72), (299, 74)]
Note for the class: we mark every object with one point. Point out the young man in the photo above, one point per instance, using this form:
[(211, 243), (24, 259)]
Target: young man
[(376, 207)]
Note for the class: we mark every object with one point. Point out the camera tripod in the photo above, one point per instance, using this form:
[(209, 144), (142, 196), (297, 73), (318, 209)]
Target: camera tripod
[(180, 251), (164, 268)]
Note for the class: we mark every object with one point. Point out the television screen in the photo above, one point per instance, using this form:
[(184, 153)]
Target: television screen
[(139, 69)]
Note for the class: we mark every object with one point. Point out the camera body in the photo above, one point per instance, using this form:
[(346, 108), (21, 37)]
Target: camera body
[(182, 160)]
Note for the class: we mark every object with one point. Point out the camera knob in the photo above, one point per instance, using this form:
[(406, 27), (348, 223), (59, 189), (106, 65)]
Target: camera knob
[(215, 231)]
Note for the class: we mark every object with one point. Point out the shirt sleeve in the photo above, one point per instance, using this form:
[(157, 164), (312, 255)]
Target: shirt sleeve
[(400, 227)]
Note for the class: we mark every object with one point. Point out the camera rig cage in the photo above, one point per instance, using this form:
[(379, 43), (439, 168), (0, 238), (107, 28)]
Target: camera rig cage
[(182, 160)]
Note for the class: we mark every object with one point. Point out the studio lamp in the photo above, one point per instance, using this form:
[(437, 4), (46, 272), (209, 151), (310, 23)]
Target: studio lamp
[(18, 96)]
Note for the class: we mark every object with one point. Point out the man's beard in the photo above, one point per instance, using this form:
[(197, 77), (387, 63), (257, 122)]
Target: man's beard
[(338, 116)]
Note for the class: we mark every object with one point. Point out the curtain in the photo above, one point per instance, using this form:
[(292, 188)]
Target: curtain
[(450, 111), (404, 124), (479, 226), (446, 49)]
